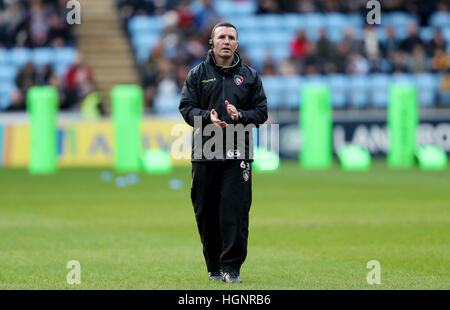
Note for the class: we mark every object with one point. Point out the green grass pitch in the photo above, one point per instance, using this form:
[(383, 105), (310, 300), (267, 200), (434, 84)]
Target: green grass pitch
[(308, 230)]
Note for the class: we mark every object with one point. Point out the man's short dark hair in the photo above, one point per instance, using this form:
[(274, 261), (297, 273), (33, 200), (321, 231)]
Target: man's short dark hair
[(222, 24)]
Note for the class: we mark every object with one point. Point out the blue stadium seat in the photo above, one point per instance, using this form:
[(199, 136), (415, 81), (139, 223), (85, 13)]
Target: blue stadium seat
[(248, 23), (440, 19), (427, 88), (339, 84), (314, 20), (381, 33), (273, 87), (276, 38), (6, 90), (20, 56), (257, 54), (426, 33), (229, 8), (272, 22), (292, 22), (291, 91), (425, 80), (139, 24), (253, 38), (314, 79), (379, 89), (446, 35), (5, 57), (61, 69), (166, 105), (42, 56), (8, 73), (426, 97), (401, 33), (335, 34), (280, 52), (143, 44), (359, 94), (336, 20), (398, 19), (355, 20), (64, 55), (312, 33), (403, 79)]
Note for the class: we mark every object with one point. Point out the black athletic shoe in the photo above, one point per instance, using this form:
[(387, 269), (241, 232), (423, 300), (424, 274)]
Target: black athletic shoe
[(231, 277), (215, 276)]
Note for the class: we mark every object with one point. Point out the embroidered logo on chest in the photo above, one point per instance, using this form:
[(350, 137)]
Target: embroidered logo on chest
[(238, 80)]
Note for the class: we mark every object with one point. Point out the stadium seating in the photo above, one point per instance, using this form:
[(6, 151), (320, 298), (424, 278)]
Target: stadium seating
[(261, 35), (13, 60)]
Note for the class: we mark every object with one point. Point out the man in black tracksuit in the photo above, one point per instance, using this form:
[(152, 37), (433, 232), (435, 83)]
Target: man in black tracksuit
[(223, 93)]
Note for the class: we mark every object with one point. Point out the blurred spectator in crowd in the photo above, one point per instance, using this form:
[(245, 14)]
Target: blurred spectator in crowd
[(391, 44), (418, 62), (204, 13), (412, 40), (339, 57), (357, 64), (371, 44), (287, 68), (399, 62), (34, 23), (38, 28), (440, 61), (59, 33), (379, 65), (131, 8), (4, 39), (26, 78), (268, 6), (324, 45), (268, 67), (352, 44), (55, 81), (299, 45), (444, 89), (13, 19), (186, 19), (311, 60), (78, 81), (437, 42), (46, 73)]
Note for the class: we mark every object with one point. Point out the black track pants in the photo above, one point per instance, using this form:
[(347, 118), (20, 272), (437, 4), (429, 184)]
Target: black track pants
[(221, 194)]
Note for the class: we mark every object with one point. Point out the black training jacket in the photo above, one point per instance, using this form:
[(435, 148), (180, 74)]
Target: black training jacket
[(207, 86)]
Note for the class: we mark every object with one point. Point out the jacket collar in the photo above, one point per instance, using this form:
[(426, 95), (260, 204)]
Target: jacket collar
[(225, 70)]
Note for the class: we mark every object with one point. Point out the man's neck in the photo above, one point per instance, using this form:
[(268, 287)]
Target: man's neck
[(224, 61)]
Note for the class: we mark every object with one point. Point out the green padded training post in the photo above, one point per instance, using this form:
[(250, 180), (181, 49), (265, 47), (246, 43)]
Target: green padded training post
[(265, 160), (402, 123), (127, 102), (316, 127), (42, 105), (157, 161), (354, 157), (431, 157)]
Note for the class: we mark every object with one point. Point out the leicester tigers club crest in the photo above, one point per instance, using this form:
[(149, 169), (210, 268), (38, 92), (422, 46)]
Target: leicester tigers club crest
[(238, 80), (246, 175)]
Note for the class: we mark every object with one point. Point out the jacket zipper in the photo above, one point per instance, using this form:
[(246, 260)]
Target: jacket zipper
[(223, 89)]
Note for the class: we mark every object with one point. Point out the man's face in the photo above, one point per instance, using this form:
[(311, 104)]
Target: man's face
[(225, 41)]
